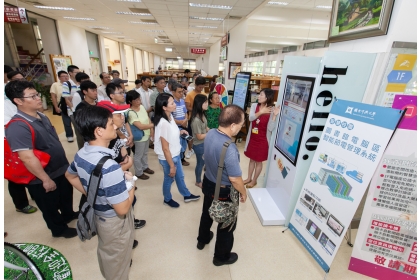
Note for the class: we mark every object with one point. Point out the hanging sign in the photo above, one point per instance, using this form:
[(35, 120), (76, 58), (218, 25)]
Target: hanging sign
[(198, 50), (350, 148), (386, 242), (15, 15)]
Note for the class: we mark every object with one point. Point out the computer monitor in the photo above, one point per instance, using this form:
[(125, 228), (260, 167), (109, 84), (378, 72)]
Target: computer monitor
[(240, 91)]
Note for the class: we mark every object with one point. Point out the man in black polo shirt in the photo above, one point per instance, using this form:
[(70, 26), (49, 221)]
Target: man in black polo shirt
[(50, 189)]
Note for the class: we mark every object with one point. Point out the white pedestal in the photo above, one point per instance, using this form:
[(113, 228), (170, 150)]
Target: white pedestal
[(266, 208)]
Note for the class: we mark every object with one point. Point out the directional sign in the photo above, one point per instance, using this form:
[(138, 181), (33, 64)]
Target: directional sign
[(399, 77), (23, 16), (15, 15)]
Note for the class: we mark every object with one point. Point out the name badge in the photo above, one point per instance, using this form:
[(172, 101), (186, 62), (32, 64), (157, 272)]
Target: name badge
[(255, 130)]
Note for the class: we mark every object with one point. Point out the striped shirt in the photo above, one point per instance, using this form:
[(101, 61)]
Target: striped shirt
[(112, 188), (181, 110), (69, 92)]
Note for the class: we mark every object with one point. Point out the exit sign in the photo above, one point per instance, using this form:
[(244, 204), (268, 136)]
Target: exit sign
[(198, 50)]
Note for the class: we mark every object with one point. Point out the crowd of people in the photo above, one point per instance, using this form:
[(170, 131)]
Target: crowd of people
[(176, 120)]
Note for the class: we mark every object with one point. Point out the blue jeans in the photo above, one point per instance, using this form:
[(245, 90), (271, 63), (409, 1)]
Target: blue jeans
[(199, 152), (67, 125), (179, 179)]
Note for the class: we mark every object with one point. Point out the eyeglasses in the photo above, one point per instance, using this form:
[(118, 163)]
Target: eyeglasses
[(34, 97)]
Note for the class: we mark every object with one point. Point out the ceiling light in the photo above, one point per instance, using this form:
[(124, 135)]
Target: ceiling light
[(99, 27), (152, 30), (203, 26), (179, 57), (54, 8), (323, 7), (210, 6), (277, 3), (138, 1), (204, 34), (156, 40), (168, 49), (206, 18), (111, 32), (76, 18), (141, 22), (133, 14)]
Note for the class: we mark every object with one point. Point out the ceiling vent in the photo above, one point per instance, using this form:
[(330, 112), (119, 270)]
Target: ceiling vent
[(149, 20), (137, 10), (234, 17), (163, 37)]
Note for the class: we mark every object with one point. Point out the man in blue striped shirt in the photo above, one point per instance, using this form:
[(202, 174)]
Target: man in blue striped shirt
[(114, 214), (180, 117)]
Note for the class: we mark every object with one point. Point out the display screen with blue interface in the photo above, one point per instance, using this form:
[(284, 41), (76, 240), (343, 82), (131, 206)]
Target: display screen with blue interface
[(241, 89), (296, 98)]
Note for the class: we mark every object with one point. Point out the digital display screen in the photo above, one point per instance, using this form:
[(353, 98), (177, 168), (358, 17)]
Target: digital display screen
[(335, 225), (240, 90), (296, 98)]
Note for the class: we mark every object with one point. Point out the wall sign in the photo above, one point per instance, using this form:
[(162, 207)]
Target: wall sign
[(234, 68), (15, 15), (198, 50), (225, 40)]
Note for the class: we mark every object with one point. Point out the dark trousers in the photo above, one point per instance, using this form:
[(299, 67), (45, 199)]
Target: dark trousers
[(79, 137), (67, 125), (18, 194), (224, 237), (50, 202)]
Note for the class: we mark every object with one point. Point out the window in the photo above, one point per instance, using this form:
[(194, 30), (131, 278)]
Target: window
[(289, 49), (256, 54), (270, 68), (221, 66), (273, 52), (244, 66), (315, 45), (255, 67), (172, 63), (189, 64)]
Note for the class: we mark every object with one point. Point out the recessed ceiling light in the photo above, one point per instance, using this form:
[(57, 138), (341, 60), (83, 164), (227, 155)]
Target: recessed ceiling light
[(54, 8), (76, 18), (210, 6), (133, 14), (277, 3), (99, 27), (111, 32), (206, 18), (204, 34), (142, 22), (152, 30), (203, 26), (168, 49), (323, 7)]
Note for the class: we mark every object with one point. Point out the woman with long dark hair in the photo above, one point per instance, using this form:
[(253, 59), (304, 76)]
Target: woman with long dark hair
[(262, 120), (199, 129), (168, 148)]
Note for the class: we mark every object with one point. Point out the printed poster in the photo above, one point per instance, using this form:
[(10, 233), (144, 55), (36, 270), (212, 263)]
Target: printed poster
[(350, 149), (386, 242)]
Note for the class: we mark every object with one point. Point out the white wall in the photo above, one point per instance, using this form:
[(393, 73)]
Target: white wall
[(73, 42), (202, 62), (214, 59), (103, 53), (151, 63), (129, 56), (139, 61), (146, 67), (114, 54), (157, 62), (236, 50)]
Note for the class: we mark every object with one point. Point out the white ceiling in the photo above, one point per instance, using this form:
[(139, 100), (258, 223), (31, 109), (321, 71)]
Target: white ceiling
[(268, 25)]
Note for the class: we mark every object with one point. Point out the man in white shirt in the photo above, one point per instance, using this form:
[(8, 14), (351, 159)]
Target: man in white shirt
[(106, 79), (174, 77)]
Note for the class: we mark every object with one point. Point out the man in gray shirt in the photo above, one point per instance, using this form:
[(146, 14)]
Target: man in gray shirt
[(231, 120)]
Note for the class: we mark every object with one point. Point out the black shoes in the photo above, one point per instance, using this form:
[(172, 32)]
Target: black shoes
[(139, 223), (135, 243), (200, 245), (232, 259), (67, 233), (75, 216)]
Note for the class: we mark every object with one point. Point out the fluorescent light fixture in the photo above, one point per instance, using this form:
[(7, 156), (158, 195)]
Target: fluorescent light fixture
[(141, 22), (203, 26), (179, 57), (152, 30), (138, 1), (100, 27), (277, 3), (76, 18), (156, 40), (111, 32), (54, 8), (199, 33), (197, 5), (133, 14), (323, 7), (206, 18), (168, 49)]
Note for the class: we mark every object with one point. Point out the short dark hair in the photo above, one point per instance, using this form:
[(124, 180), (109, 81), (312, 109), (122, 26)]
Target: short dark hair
[(61, 72), (71, 68), (269, 93), (7, 69), (11, 74), (110, 89), (15, 89), (101, 76), (85, 85), (161, 101), (115, 71), (89, 118), (214, 78), (211, 94), (184, 79), (186, 71), (81, 76), (136, 82), (144, 78), (195, 75), (176, 86), (158, 78), (200, 81), (131, 95), (231, 114)]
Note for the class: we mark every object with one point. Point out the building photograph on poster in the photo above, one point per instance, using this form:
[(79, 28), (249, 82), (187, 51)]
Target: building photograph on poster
[(296, 96)]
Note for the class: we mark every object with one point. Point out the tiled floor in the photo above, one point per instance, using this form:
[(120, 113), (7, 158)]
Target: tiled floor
[(167, 244)]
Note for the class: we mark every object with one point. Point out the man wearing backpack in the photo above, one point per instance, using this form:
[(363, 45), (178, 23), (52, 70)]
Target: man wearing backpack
[(114, 217)]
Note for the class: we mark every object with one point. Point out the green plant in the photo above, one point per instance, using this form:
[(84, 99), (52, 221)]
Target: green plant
[(44, 90)]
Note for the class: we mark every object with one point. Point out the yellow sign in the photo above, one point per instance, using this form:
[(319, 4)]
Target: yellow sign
[(405, 62)]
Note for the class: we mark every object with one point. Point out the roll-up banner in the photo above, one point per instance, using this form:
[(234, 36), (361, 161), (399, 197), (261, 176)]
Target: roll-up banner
[(350, 148), (386, 241)]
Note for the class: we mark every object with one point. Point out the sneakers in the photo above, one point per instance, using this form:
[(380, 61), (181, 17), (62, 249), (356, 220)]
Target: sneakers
[(149, 171), (70, 139), (135, 244), (191, 198), (67, 233), (139, 223), (200, 245), (28, 209), (189, 154), (232, 259), (172, 203)]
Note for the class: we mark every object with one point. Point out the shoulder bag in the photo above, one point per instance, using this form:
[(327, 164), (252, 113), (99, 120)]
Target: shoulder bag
[(137, 133), (14, 169), (225, 212)]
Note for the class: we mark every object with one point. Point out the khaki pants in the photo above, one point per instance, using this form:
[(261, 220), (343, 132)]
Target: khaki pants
[(115, 245)]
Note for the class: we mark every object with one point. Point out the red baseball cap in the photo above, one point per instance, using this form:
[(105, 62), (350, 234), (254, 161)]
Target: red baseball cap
[(114, 108)]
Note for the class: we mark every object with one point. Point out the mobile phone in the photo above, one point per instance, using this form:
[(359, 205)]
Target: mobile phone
[(186, 137)]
